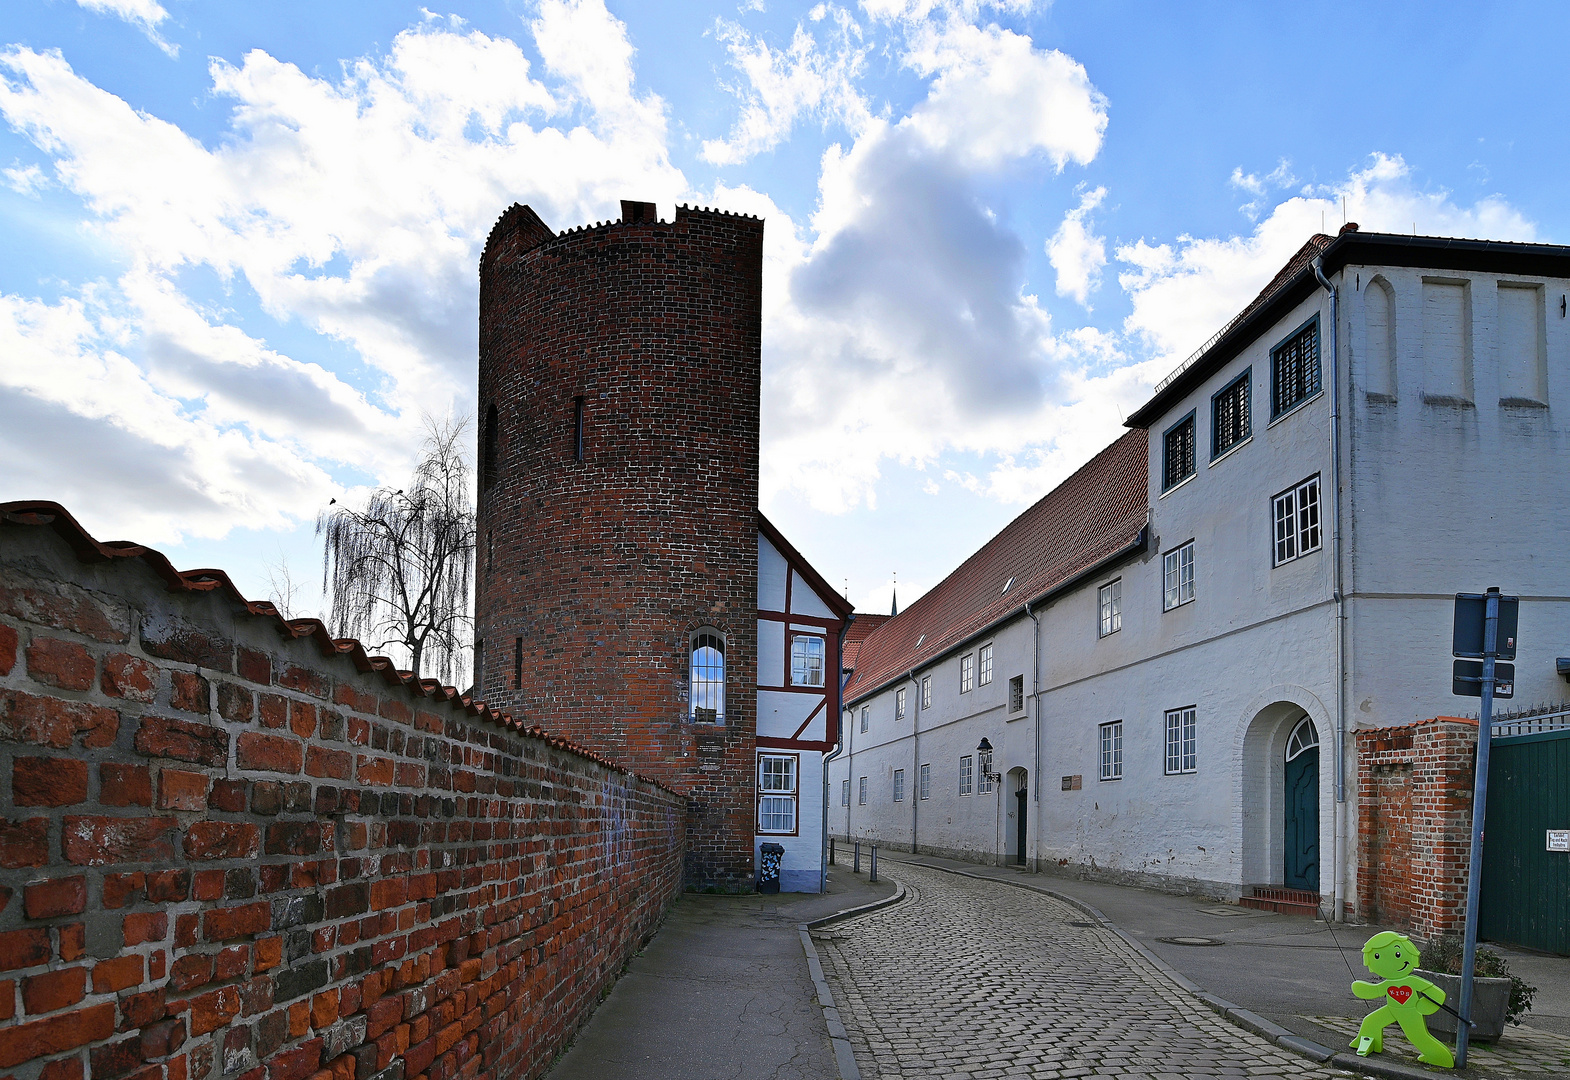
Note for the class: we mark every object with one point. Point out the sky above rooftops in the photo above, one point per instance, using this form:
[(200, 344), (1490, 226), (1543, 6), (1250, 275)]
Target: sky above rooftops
[(240, 240)]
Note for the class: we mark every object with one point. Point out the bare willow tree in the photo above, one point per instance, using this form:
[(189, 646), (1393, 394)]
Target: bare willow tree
[(400, 572)]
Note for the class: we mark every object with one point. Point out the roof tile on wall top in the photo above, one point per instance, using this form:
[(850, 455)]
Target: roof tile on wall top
[(89, 549), (1090, 516)]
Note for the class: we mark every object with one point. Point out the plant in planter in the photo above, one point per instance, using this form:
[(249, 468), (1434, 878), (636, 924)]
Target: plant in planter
[(1497, 995)]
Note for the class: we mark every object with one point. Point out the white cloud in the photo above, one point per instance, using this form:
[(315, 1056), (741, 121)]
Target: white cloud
[(354, 207), (1076, 252), (897, 321), (995, 97), (783, 85), (1278, 179), (1183, 293), (26, 179), (86, 427), (145, 14)]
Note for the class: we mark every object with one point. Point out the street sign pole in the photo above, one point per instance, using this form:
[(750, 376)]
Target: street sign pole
[(1479, 806)]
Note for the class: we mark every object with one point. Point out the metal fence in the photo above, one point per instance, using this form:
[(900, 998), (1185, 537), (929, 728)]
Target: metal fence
[(1533, 721)]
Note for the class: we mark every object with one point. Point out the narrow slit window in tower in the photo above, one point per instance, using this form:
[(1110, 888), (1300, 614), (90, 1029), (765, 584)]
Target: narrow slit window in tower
[(489, 454), (577, 428)]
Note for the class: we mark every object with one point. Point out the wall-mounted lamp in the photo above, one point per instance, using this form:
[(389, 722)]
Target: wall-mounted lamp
[(1561, 305), (984, 760)]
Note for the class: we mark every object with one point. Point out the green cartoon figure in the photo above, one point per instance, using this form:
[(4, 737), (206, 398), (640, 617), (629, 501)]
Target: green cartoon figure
[(1407, 1000)]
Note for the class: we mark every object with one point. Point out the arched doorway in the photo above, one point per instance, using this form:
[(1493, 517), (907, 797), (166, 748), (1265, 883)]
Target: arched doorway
[(1019, 811), (1300, 831), (1275, 816)]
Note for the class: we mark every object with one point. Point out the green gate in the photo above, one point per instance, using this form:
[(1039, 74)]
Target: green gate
[(1526, 887)]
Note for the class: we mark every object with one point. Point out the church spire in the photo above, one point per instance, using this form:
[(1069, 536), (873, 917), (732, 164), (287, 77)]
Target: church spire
[(894, 603)]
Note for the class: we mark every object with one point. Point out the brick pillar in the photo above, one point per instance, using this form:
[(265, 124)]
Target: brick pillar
[(1415, 823)]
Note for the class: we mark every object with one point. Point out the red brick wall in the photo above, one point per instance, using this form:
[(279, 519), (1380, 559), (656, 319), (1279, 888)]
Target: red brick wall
[(225, 853), (1415, 822), (593, 573)]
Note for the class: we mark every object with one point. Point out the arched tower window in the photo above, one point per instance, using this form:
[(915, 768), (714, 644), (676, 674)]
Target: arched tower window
[(489, 454), (707, 657)]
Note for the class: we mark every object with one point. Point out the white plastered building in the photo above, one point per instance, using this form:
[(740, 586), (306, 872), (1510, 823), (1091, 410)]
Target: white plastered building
[(1167, 653)]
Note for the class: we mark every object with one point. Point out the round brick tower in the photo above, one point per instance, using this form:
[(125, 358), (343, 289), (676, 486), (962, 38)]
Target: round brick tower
[(618, 467)]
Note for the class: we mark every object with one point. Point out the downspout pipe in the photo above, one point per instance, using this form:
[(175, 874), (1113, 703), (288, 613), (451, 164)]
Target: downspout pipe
[(1034, 708), (915, 758), (839, 747), (1338, 594)]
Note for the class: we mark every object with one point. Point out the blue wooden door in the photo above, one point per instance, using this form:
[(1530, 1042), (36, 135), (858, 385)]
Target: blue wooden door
[(1302, 824)]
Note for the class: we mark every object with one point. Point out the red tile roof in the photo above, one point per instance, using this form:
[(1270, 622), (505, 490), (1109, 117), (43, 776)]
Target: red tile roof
[(90, 550), (858, 632), (1092, 515)]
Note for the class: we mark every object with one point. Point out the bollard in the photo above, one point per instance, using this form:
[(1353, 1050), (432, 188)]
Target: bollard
[(856, 864), (831, 851), (873, 877)]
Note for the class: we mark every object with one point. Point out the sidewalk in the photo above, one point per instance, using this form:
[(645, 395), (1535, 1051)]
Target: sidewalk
[(722, 991), (1292, 971)]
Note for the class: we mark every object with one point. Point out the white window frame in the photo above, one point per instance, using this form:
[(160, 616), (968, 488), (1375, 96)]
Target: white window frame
[(779, 785), (861, 792), (984, 665), (845, 792), (1297, 523), (1111, 739), (926, 691), (807, 660), (1177, 576), (967, 673), (1182, 742), (967, 773), (899, 785), (866, 712), (899, 704), (1017, 694), (1109, 608), (924, 782)]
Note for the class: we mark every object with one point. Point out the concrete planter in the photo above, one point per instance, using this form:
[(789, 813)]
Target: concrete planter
[(1490, 1002)]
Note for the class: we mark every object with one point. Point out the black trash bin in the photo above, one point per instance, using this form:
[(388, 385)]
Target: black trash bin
[(769, 867)]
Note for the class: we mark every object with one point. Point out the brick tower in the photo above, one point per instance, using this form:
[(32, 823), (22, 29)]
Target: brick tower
[(619, 374)]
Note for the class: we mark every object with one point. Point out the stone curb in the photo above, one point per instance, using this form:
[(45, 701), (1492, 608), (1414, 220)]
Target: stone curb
[(850, 913), (1240, 1016), (844, 1058)]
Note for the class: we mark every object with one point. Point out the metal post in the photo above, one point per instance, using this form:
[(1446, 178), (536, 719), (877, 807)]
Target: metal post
[(1479, 807), (873, 877), (831, 851), (856, 868)]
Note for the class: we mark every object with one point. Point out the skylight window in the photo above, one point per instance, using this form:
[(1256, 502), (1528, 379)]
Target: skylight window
[(1007, 585), (919, 640)]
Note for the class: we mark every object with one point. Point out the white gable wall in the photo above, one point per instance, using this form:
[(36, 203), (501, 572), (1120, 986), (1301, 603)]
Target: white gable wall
[(1424, 435)]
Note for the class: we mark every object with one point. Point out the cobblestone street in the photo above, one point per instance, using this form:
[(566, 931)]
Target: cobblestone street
[(977, 979)]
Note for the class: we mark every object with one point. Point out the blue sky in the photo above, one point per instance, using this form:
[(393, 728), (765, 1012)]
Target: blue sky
[(240, 239)]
